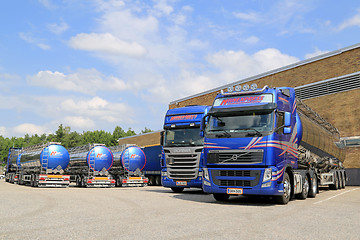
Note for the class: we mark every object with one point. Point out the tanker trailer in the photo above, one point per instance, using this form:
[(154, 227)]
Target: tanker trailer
[(129, 163), (43, 165), (12, 165), (89, 166)]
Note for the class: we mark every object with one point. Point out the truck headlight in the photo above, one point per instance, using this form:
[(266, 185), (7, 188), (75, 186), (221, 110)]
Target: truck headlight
[(206, 174), (267, 174)]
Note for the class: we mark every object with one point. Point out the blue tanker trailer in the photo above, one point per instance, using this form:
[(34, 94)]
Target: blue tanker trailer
[(128, 165), (12, 165), (40, 165), (90, 164)]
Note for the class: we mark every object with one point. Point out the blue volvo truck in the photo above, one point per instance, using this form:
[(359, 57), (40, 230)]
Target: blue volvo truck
[(182, 144), (268, 142)]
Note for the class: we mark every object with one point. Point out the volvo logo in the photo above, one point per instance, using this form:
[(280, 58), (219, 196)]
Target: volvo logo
[(234, 157)]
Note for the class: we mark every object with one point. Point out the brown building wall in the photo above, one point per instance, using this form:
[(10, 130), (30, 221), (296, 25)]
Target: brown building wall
[(341, 109), (142, 140)]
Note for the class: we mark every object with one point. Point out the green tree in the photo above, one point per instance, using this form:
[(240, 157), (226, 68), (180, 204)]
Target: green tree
[(146, 130)]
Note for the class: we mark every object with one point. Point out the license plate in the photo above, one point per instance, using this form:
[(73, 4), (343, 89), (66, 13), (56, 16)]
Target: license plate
[(234, 191), (181, 183)]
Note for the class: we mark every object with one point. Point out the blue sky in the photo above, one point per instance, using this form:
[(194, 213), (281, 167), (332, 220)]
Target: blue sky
[(96, 64)]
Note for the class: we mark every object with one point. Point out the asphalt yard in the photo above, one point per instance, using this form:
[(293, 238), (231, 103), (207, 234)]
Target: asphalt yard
[(158, 213)]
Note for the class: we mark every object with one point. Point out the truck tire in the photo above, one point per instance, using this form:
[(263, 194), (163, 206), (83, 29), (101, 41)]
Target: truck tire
[(78, 181), (118, 182), (305, 189), (314, 187), (285, 197), (177, 189), (151, 181), (344, 179), (221, 197), (336, 182), (339, 179), (32, 180), (158, 180)]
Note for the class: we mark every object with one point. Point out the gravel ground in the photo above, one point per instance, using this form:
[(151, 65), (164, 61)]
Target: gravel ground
[(157, 213)]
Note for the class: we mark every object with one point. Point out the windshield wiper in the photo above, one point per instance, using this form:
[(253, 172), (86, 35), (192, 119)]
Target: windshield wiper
[(256, 133), (224, 133)]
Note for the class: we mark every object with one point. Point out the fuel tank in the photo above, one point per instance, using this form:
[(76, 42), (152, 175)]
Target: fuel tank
[(97, 157), (133, 158), (52, 156)]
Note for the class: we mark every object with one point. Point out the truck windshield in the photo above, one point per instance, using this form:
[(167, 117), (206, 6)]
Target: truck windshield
[(240, 124), (183, 137)]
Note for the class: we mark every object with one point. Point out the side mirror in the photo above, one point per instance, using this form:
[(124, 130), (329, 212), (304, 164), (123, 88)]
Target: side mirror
[(287, 130), (287, 123), (162, 138), (287, 120), (202, 126)]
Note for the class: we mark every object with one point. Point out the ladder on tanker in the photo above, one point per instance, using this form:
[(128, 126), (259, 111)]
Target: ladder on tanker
[(45, 160), (127, 163), (91, 159)]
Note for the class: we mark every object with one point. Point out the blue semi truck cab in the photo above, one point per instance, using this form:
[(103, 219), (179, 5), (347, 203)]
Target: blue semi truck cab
[(267, 142), (182, 144)]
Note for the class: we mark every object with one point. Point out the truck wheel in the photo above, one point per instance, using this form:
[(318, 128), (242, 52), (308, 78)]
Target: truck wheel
[(83, 182), (177, 189), (78, 181), (32, 180), (118, 182), (305, 189), (151, 181), (285, 198), (339, 180), (344, 180), (221, 197), (158, 180), (336, 184), (314, 187)]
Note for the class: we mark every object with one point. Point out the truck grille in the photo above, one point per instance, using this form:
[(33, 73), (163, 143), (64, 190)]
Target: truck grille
[(221, 178), (235, 156), (238, 183), (183, 166)]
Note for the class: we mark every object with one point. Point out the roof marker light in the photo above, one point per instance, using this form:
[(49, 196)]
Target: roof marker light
[(238, 88), (253, 86), (230, 89), (246, 87)]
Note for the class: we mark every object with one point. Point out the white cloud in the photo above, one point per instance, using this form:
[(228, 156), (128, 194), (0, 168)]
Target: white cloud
[(3, 131), (316, 52), (106, 43), (236, 65), (79, 122), (30, 39), (251, 16), (48, 4), (87, 81), (58, 28), (29, 128), (163, 7), (354, 21), (96, 109), (252, 40), (125, 25)]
